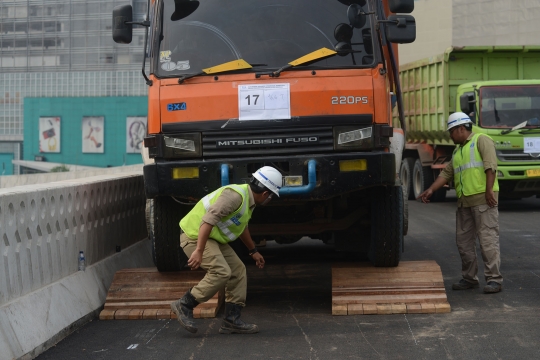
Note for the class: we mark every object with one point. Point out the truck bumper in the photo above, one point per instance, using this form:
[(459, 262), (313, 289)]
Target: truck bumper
[(330, 181), (514, 179)]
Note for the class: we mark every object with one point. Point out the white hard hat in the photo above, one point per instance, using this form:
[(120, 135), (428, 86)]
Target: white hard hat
[(270, 178), (456, 119)]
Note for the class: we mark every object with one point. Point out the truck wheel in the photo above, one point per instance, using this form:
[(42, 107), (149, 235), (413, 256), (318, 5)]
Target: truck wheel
[(163, 216), (386, 226), (149, 214), (405, 174), (423, 177), (405, 214)]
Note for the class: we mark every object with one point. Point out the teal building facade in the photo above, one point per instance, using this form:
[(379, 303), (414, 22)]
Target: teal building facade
[(113, 136)]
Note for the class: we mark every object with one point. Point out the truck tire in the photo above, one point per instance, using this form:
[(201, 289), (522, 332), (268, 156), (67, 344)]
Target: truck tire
[(423, 177), (405, 215), (386, 226), (405, 174), (163, 216), (149, 213)]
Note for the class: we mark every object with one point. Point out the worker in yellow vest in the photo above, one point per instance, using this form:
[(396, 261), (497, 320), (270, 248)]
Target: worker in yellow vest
[(216, 220), (474, 171)]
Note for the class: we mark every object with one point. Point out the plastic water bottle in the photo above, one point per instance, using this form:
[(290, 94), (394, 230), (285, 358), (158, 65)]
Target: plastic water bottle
[(82, 261)]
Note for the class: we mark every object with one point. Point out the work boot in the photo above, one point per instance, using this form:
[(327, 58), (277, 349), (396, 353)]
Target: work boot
[(464, 285), (183, 309), (492, 287), (232, 324)]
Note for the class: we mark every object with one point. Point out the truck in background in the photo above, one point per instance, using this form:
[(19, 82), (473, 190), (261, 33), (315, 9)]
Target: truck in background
[(499, 87), (305, 87)]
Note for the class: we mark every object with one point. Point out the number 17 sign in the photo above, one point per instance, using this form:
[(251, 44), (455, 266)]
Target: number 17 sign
[(264, 102)]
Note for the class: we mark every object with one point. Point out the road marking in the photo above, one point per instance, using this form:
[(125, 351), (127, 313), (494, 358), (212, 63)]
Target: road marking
[(415, 343), (361, 332), (167, 323), (132, 346), (311, 349)]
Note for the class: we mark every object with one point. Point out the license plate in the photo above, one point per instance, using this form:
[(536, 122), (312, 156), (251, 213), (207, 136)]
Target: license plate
[(533, 172)]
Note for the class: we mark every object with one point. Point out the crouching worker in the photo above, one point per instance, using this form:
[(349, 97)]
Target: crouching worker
[(216, 220)]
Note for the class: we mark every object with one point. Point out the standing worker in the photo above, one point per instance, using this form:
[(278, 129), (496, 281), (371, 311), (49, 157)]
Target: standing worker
[(216, 220), (473, 168)]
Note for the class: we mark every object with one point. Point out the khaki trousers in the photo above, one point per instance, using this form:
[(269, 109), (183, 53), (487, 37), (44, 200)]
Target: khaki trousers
[(223, 270), (482, 222)]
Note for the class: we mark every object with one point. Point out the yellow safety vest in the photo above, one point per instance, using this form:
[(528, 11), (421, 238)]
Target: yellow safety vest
[(227, 229), (469, 174)]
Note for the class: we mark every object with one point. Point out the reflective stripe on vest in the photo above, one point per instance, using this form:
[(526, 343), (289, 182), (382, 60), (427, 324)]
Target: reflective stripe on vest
[(224, 225), (472, 160), (228, 228), (469, 174)]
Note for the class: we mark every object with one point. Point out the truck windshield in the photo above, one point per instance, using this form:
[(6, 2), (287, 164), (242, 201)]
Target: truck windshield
[(507, 106), (265, 33)]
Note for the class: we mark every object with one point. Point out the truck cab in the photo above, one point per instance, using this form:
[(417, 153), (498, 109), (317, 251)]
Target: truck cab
[(509, 112), (303, 86)]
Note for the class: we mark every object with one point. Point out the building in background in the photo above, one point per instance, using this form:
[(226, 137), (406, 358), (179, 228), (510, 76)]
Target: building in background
[(444, 23), (59, 50)]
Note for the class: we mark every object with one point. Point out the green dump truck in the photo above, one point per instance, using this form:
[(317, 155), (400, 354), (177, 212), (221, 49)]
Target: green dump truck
[(500, 88)]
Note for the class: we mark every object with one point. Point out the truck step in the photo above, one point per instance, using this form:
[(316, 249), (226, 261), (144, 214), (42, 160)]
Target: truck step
[(145, 293), (413, 287)]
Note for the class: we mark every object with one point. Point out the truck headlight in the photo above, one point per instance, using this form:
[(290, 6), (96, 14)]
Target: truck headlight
[(182, 146), (353, 137)]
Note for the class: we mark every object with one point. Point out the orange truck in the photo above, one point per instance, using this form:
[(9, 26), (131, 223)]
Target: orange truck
[(305, 86)]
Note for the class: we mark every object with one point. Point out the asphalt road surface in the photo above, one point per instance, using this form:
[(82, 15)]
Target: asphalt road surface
[(290, 300)]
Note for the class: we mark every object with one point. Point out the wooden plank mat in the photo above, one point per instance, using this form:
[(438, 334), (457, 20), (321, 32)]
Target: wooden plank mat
[(146, 293), (413, 287)]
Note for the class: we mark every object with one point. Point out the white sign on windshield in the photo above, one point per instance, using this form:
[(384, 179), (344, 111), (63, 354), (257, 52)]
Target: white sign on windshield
[(264, 102), (531, 145)]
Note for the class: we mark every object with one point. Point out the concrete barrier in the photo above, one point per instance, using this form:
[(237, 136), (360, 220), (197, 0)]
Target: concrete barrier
[(30, 179), (42, 229)]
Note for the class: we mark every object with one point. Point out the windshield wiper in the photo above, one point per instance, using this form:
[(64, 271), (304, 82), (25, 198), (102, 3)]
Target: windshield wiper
[(314, 56), (529, 130), (519, 126), (530, 122), (239, 64)]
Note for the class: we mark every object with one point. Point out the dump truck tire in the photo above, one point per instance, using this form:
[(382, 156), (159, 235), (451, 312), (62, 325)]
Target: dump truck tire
[(163, 216), (406, 176), (149, 213), (405, 216), (423, 178), (386, 226)]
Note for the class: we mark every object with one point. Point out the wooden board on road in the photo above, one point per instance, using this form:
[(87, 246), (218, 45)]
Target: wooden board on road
[(413, 287), (147, 294)]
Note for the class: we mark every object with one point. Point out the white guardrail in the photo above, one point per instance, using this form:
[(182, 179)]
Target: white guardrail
[(42, 229)]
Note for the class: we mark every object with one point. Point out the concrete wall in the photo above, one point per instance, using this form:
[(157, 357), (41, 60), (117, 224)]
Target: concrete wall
[(115, 110), (433, 30), (20, 180), (495, 22), (42, 229)]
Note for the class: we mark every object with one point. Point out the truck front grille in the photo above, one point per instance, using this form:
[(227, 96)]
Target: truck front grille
[(252, 142), (516, 156)]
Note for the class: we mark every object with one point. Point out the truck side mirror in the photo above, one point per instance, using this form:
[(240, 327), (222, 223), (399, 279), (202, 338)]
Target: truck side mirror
[(356, 16), (401, 6), (400, 29), (466, 103), (122, 32)]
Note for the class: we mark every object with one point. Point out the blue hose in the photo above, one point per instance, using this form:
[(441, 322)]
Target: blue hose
[(224, 174), (306, 189)]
